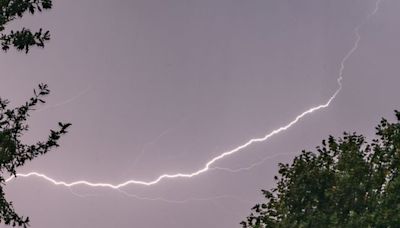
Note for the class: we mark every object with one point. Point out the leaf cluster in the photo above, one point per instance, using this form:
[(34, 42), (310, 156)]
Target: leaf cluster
[(347, 182), (14, 153), (22, 39)]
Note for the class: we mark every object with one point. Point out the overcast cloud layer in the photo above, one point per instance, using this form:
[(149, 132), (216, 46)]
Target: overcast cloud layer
[(156, 86)]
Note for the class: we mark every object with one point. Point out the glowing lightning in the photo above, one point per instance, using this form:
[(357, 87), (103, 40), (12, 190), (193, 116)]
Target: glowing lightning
[(153, 142), (342, 65), (250, 166), (88, 88), (212, 161), (188, 200), (193, 174), (208, 165)]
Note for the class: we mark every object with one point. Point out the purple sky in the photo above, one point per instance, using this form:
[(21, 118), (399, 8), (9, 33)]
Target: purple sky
[(155, 87)]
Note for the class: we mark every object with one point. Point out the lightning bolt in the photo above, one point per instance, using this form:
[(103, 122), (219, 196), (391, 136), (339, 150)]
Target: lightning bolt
[(342, 66), (193, 174), (83, 92), (377, 4), (250, 166), (208, 165), (166, 200), (154, 141), (341, 70), (188, 200)]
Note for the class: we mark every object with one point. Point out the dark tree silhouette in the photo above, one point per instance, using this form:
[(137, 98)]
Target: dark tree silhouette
[(346, 183), (14, 153), (22, 39)]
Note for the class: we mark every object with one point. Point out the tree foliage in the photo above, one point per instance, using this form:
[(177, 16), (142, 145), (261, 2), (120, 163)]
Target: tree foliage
[(346, 183), (24, 38), (14, 153)]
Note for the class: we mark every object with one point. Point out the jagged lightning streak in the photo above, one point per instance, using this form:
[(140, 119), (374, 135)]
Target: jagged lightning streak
[(341, 70), (237, 170), (183, 201), (72, 99), (166, 200), (377, 4), (208, 165), (154, 141), (193, 174)]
